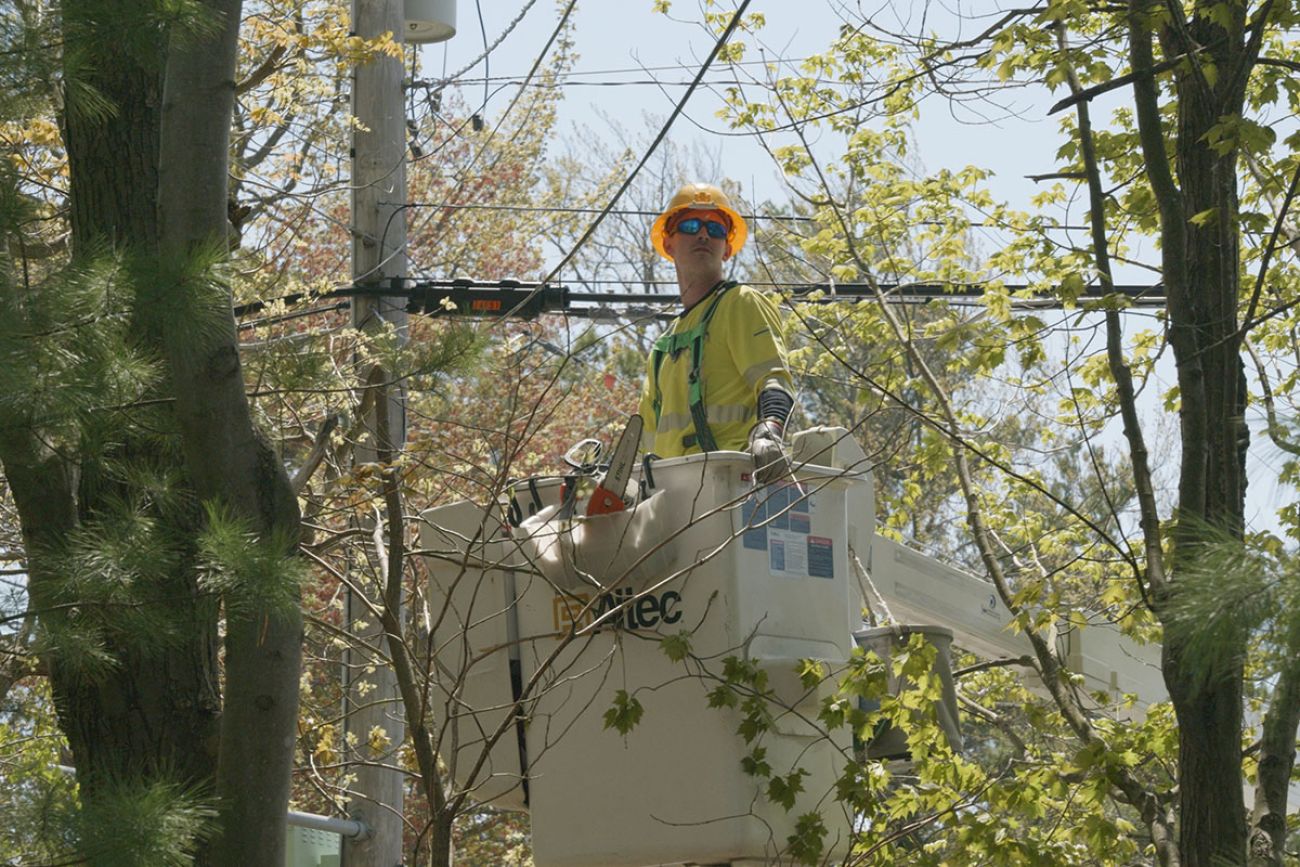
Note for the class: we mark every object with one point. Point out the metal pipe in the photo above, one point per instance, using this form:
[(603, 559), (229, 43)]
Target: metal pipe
[(353, 828)]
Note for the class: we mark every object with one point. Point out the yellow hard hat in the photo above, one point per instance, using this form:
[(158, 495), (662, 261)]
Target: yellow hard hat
[(705, 197)]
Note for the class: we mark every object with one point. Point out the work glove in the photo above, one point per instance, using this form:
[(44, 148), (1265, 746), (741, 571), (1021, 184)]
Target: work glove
[(771, 464)]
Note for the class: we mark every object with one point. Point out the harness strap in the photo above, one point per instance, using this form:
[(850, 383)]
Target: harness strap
[(672, 344)]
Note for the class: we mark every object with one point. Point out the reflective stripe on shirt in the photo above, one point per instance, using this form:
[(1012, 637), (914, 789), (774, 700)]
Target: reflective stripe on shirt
[(743, 352)]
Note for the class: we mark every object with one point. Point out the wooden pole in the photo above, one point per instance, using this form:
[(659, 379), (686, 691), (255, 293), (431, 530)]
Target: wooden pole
[(378, 253)]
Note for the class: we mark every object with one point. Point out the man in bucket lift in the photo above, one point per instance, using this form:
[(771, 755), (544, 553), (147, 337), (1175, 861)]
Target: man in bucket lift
[(718, 380)]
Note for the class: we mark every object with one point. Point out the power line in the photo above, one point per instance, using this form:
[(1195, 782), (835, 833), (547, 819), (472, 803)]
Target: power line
[(675, 67), (273, 320), (493, 298), (671, 67), (559, 209), (635, 82), (663, 133), (487, 50), (630, 212)]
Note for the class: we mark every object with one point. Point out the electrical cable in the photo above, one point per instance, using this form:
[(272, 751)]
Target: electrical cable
[(674, 67), (1137, 294), (647, 82), (557, 209), (487, 52), (273, 320), (537, 63), (641, 306), (486, 48), (779, 218)]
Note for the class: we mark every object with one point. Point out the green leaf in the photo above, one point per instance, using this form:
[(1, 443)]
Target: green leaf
[(753, 725), (677, 647), (625, 713), (812, 672), (755, 763), (1070, 288), (807, 842), (722, 696), (782, 790)]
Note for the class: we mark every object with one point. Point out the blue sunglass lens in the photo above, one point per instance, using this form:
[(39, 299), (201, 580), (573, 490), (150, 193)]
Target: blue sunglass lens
[(692, 226)]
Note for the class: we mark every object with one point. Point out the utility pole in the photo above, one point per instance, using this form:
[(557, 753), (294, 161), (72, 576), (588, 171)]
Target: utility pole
[(373, 705)]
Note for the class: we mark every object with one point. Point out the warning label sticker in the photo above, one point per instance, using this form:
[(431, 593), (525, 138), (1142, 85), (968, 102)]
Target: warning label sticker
[(778, 520)]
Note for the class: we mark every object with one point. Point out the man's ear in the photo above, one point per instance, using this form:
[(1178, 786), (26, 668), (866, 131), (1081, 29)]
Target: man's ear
[(726, 254)]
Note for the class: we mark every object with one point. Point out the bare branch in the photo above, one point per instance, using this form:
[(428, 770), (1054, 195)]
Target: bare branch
[(318, 452), (1086, 94), (1119, 369), (1278, 226), (1292, 65), (1276, 432), (1056, 176), (1026, 661), (263, 70), (1277, 759)]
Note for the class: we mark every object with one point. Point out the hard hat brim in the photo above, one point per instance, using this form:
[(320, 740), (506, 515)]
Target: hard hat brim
[(735, 238)]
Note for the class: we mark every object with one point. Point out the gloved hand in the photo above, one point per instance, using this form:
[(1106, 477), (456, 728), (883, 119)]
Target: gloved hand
[(771, 463)]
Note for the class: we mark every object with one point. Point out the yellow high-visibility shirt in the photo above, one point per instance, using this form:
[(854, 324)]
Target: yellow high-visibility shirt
[(744, 352)]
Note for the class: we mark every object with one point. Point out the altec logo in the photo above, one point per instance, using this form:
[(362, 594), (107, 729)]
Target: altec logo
[(574, 611)]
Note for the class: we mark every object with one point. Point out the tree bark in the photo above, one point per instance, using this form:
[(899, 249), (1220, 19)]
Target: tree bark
[(1201, 263), (1212, 482), (229, 462), (153, 715), (111, 121), (1277, 751)]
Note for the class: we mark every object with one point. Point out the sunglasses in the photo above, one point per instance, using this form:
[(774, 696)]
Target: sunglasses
[(691, 226)]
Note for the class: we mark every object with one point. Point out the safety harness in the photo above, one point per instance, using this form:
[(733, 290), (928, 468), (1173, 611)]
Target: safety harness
[(672, 344)]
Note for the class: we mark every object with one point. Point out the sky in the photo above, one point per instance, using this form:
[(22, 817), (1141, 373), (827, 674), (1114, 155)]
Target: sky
[(622, 41), (633, 64), (644, 45)]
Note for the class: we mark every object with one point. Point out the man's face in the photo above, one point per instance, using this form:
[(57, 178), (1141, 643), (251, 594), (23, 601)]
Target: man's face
[(699, 249)]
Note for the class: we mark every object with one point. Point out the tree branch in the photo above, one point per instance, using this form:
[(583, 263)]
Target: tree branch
[(1292, 65), (1052, 176), (263, 70), (1278, 226), (230, 464), (318, 451), (995, 719), (1119, 369), (1188, 47), (1277, 759), (1276, 432), (1087, 94), (1250, 53), (1026, 661)]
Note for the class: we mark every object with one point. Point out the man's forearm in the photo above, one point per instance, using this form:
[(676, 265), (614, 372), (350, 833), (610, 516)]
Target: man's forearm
[(774, 404)]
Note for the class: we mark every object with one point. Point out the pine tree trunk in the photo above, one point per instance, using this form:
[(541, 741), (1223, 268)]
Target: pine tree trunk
[(110, 124), (154, 715)]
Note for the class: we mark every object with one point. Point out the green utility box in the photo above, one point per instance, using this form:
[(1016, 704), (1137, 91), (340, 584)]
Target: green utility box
[(308, 847)]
